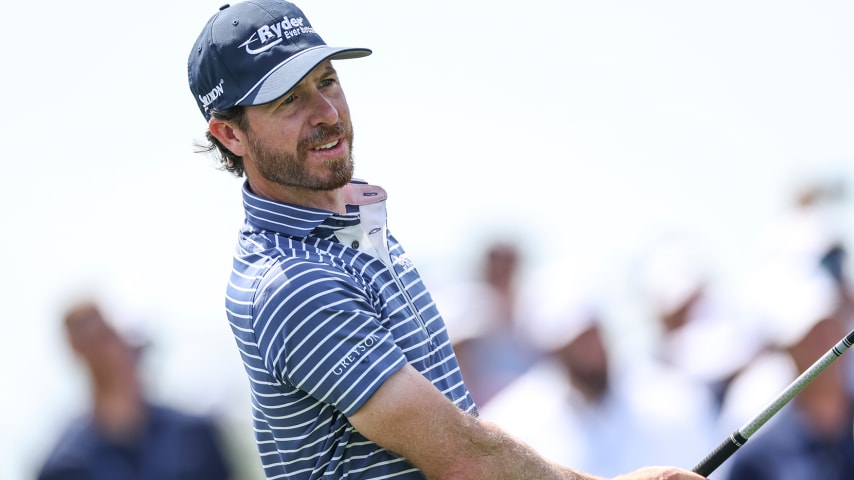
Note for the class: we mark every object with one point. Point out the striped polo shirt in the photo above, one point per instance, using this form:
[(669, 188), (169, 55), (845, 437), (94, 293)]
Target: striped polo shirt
[(324, 307)]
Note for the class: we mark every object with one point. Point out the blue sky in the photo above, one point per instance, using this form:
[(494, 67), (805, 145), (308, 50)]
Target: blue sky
[(583, 128)]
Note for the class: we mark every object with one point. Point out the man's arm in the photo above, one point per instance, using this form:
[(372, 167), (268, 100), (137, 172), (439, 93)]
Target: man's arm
[(410, 417)]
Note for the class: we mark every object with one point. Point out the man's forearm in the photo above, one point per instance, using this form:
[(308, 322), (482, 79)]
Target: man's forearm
[(494, 454)]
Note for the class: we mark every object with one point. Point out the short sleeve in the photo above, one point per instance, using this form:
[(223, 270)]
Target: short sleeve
[(318, 330)]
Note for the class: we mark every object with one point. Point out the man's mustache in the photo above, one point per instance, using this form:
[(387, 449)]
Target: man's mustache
[(324, 134)]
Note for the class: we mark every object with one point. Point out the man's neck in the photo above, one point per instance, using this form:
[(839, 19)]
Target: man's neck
[(332, 200), (119, 411)]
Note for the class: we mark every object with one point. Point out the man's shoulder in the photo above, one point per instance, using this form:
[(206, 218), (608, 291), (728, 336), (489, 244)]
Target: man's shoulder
[(265, 256), (72, 448), (175, 419)]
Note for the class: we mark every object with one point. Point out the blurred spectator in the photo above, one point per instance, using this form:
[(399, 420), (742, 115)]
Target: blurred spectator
[(812, 436), (813, 223), (125, 436), (813, 230), (699, 327), (578, 407), (483, 318)]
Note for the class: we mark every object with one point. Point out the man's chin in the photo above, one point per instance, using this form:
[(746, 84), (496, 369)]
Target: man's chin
[(339, 180)]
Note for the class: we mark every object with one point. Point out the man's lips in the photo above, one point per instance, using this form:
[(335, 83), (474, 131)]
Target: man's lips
[(327, 146)]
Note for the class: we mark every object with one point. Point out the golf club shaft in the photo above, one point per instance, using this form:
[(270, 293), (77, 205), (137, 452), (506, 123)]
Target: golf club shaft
[(740, 436)]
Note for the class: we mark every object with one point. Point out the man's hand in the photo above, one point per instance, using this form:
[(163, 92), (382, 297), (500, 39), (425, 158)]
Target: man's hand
[(660, 473)]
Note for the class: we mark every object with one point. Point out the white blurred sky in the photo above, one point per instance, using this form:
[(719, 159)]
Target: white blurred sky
[(585, 127)]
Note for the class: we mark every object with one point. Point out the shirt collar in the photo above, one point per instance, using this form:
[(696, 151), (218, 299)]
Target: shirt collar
[(299, 221)]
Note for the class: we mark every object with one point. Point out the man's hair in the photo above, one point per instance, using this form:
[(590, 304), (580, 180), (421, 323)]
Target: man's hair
[(228, 160)]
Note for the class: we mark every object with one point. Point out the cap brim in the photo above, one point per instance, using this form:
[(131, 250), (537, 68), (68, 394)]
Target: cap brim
[(287, 74)]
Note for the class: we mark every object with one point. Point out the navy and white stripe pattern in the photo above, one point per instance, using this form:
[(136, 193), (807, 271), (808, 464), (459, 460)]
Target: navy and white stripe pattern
[(319, 326)]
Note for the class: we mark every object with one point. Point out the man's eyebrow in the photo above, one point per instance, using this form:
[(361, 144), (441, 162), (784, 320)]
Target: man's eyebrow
[(329, 69)]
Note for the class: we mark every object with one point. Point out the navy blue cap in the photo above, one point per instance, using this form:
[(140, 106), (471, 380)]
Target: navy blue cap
[(254, 52)]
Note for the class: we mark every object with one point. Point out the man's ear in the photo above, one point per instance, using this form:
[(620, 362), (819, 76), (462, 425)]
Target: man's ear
[(231, 137)]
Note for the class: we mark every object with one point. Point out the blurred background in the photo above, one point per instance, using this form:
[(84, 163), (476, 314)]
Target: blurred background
[(585, 133)]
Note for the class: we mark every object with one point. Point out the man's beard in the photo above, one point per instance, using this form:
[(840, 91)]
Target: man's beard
[(291, 169), (593, 381)]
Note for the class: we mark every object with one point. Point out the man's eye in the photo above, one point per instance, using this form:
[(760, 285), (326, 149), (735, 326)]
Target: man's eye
[(289, 99), (327, 82)]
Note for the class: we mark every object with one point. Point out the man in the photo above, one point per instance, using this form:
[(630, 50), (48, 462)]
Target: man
[(125, 437), (810, 437), (595, 412), (485, 317), (351, 370)]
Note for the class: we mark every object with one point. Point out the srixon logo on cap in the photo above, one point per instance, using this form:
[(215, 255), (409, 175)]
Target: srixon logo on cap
[(212, 95), (271, 35)]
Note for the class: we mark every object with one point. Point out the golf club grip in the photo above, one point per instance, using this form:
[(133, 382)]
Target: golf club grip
[(720, 454)]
